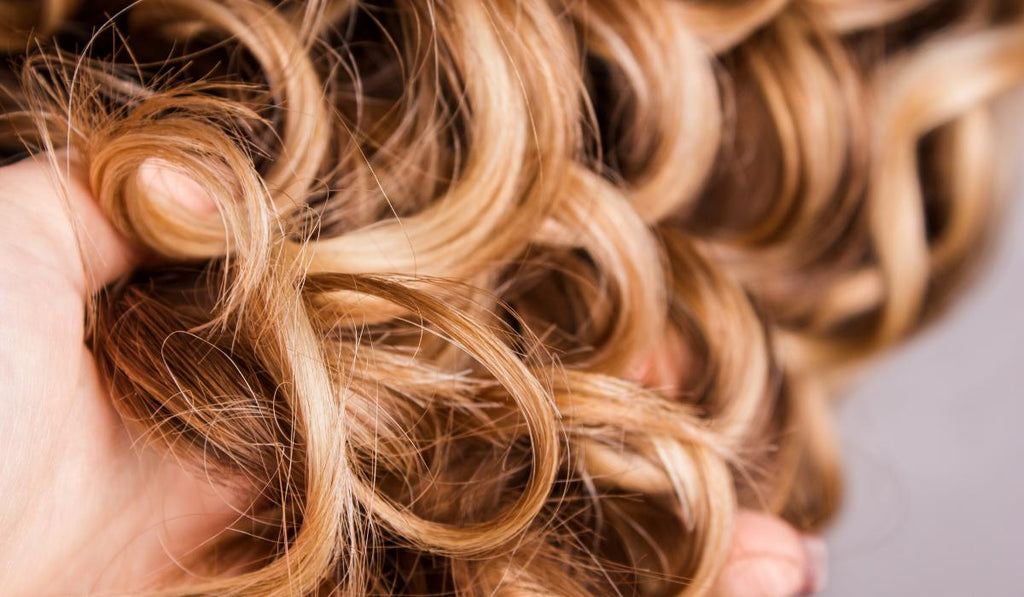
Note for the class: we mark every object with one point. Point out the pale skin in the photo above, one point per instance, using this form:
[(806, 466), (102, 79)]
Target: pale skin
[(89, 509)]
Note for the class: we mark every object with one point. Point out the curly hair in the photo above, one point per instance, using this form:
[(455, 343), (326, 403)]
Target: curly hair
[(450, 236)]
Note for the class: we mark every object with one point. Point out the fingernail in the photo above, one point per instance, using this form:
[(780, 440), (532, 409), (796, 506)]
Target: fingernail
[(170, 184), (817, 564)]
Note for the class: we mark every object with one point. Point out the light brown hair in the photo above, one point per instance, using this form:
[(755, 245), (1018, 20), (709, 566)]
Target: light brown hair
[(450, 236)]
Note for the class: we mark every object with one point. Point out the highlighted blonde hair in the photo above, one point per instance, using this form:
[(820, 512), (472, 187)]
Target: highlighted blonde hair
[(449, 235)]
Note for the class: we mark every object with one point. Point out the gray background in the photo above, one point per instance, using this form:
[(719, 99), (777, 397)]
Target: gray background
[(933, 439)]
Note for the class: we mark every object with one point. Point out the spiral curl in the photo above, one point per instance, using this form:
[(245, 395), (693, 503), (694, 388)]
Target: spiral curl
[(447, 236)]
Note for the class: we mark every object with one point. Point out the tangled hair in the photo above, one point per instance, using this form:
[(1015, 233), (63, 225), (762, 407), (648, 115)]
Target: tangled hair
[(449, 234)]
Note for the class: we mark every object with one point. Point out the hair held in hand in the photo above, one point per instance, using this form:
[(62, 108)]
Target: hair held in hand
[(512, 297)]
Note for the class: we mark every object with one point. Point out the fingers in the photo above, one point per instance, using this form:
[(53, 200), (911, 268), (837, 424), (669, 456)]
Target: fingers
[(75, 236), (53, 219), (771, 559), (669, 368), (768, 558), (105, 253), (163, 181)]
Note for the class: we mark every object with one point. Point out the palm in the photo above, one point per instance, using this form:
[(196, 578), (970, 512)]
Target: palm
[(73, 480), (85, 507)]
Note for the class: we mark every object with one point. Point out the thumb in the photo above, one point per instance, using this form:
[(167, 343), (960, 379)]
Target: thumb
[(769, 558), (51, 195), (50, 212)]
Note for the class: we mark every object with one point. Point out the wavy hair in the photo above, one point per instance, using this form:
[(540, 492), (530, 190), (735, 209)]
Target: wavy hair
[(449, 238)]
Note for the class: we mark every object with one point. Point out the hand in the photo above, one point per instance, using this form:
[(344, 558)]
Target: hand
[(86, 507), (769, 558)]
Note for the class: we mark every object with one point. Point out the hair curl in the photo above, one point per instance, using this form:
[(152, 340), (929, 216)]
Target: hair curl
[(449, 233)]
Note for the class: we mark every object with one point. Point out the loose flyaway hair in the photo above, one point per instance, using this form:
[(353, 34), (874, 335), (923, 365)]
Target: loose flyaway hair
[(448, 238)]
